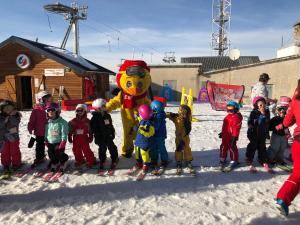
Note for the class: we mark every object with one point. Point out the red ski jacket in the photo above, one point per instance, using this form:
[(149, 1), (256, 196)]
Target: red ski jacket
[(232, 125), (293, 116), (80, 127)]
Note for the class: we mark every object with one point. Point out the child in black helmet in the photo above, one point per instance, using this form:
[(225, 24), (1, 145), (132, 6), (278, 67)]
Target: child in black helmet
[(9, 136)]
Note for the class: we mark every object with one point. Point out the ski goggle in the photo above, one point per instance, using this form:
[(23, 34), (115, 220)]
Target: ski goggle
[(230, 109), (79, 110), (136, 71), (50, 110), (282, 109)]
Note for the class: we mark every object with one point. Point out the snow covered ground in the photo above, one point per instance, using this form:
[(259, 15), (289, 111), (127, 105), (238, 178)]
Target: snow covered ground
[(212, 197)]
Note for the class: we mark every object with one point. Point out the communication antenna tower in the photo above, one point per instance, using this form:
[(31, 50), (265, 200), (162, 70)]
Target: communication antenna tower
[(221, 13), (169, 57), (72, 14)]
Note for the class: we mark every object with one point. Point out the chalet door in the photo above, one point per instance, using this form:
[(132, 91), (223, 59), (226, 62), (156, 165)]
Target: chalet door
[(26, 92), (11, 87)]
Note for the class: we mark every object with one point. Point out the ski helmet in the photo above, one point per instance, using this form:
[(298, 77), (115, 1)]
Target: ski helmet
[(233, 104), (81, 106), (53, 106), (98, 103), (284, 101), (5, 103), (145, 112), (257, 99), (41, 95), (157, 106)]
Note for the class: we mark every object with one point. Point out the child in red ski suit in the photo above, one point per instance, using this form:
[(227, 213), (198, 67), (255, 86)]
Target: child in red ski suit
[(230, 134), (9, 136), (80, 135), (291, 186), (36, 125)]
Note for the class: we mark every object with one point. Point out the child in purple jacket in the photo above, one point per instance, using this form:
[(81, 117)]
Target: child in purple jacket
[(36, 125)]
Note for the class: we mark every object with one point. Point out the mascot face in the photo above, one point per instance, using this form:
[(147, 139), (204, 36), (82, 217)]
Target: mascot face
[(134, 77)]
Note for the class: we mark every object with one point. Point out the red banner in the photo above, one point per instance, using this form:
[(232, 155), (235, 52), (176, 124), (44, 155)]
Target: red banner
[(220, 94)]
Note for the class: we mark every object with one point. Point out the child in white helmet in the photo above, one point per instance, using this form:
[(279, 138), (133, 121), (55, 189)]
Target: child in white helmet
[(36, 125), (103, 130), (80, 135)]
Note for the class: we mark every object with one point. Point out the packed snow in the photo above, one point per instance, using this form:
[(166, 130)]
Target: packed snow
[(212, 197)]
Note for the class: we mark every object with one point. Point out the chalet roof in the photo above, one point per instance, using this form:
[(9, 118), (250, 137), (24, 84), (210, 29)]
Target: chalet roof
[(211, 63), (76, 62)]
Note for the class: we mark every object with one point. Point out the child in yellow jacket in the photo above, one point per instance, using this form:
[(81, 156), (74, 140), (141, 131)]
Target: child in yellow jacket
[(183, 127)]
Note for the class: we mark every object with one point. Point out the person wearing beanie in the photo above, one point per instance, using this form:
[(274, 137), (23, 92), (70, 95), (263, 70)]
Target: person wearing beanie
[(36, 125), (80, 136), (260, 89)]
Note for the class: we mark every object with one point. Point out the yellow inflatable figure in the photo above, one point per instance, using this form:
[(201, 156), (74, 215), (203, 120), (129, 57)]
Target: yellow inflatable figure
[(134, 80)]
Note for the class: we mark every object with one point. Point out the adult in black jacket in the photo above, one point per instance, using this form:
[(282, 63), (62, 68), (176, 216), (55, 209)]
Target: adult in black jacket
[(104, 133)]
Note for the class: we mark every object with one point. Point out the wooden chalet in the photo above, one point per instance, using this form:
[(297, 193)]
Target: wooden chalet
[(27, 67)]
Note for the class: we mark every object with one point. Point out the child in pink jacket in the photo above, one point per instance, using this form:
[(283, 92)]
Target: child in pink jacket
[(36, 125)]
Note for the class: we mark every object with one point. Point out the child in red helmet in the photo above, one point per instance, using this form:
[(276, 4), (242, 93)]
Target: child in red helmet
[(257, 133), (80, 135), (9, 137), (230, 134)]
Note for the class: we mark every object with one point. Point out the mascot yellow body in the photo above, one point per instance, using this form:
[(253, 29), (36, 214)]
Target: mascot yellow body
[(134, 81)]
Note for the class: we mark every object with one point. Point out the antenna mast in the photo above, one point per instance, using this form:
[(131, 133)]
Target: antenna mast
[(221, 13), (72, 14)]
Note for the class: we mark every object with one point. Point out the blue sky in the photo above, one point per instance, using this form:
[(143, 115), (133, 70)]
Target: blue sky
[(146, 29)]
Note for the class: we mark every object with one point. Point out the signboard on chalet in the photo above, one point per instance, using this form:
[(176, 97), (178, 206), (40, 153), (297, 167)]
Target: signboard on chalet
[(54, 72)]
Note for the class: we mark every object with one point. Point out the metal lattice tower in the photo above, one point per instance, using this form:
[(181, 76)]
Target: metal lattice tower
[(72, 14), (221, 13)]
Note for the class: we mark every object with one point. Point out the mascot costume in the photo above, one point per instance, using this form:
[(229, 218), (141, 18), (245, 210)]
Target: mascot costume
[(134, 81)]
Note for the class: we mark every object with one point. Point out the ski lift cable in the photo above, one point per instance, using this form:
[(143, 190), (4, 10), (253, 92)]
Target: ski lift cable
[(48, 18), (124, 35), (117, 39)]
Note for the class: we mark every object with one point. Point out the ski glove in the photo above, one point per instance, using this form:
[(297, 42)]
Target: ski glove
[(62, 146), (91, 138), (233, 141), (70, 140), (279, 127)]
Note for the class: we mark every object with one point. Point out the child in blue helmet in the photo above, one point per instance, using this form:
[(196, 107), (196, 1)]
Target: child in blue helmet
[(230, 134), (158, 147)]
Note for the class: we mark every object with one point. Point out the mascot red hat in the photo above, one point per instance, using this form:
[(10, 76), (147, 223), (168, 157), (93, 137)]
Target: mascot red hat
[(130, 63)]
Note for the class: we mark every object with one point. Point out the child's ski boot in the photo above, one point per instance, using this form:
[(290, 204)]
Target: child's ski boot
[(112, 168), (64, 166), (101, 171), (231, 166), (222, 165), (6, 173), (284, 209), (191, 168), (179, 168)]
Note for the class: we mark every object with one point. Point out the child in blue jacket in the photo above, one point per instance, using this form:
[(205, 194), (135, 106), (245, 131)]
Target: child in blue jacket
[(158, 147)]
